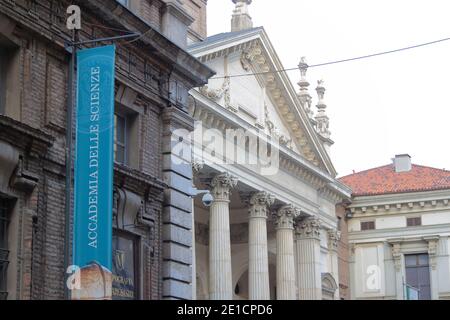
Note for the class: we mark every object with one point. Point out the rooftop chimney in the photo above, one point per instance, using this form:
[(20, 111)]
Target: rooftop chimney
[(241, 20), (402, 163)]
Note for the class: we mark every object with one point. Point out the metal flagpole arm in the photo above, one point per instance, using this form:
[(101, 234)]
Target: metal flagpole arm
[(125, 36)]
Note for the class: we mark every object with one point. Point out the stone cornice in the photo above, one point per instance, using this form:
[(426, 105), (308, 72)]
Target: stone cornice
[(400, 207), (381, 235), (127, 175), (214, 116), (180, 60), (25, 137), (119, 17)]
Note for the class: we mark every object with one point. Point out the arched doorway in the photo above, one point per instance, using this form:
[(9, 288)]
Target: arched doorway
[(329, 286)]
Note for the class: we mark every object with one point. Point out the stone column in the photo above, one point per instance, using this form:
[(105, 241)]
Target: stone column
[(333, 239), (258, 270), (309, 277), (284, 221), (220, 276)]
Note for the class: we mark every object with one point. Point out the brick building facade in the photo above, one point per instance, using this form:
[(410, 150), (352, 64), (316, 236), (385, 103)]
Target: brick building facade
[(153, 76)]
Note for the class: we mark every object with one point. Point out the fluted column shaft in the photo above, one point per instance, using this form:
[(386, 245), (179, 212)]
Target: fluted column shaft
[(285, 253), (220, 276), (309, 277), (258, 271)]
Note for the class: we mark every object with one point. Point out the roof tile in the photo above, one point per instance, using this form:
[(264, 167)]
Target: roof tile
[(384, 180)]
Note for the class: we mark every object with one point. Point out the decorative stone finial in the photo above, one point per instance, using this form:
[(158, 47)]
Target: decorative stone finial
[(241, 19), (303, 95), (322, 119)]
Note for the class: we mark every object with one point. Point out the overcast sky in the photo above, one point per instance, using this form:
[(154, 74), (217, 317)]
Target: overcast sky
[(378, 107)]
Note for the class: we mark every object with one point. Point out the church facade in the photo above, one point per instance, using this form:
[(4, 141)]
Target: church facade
[(270, 229)]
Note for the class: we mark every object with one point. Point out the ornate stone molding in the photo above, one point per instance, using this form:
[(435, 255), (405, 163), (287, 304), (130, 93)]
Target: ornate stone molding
[(333, 239), (217, 94), (275, 132), (397, 254), (259, 204), (308, 228), (197, 166), (285, 216), (433, 251), (221, 186), (250, 55), (405, 206)]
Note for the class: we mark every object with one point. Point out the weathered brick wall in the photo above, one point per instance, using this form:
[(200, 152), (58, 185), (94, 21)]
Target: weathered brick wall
[(150, 11), (43, 79), (38, 29), (197, 10)]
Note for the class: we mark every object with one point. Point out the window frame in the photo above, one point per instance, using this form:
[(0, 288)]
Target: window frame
[(414, 224), (123, 144), (367, 222), (416, 266)]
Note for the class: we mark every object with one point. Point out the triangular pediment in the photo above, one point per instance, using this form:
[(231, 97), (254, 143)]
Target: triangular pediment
[(246, 84)]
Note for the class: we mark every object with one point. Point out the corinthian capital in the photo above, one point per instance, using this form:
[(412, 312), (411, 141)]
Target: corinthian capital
[(284, 217), (259, 203), (222, 185), (333, 238), (308, 228)]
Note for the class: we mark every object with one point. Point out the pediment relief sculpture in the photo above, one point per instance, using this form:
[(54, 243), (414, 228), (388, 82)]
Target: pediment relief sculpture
[(217, 94)]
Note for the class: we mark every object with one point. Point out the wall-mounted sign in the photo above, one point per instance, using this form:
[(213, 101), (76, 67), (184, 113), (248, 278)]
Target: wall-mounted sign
[(124, 284), (92, 241)]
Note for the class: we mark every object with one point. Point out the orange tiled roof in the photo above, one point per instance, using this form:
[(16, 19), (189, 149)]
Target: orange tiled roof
[(384, 180)]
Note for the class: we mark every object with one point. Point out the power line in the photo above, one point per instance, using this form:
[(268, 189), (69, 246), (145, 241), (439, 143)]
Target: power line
[(338, 61)]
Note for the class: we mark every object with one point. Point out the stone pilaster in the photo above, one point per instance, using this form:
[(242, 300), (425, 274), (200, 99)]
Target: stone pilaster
[(177, 228), (309, 278), (284, 221), (333, 240), (398, 263), (258, 272), (220, 276), (433, 244)]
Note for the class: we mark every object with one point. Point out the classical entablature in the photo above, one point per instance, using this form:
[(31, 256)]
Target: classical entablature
[(400, 203), (214, 116), (279, 112)]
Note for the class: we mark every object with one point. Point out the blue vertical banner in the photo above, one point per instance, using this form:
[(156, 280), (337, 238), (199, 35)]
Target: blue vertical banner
[(92, 241)]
